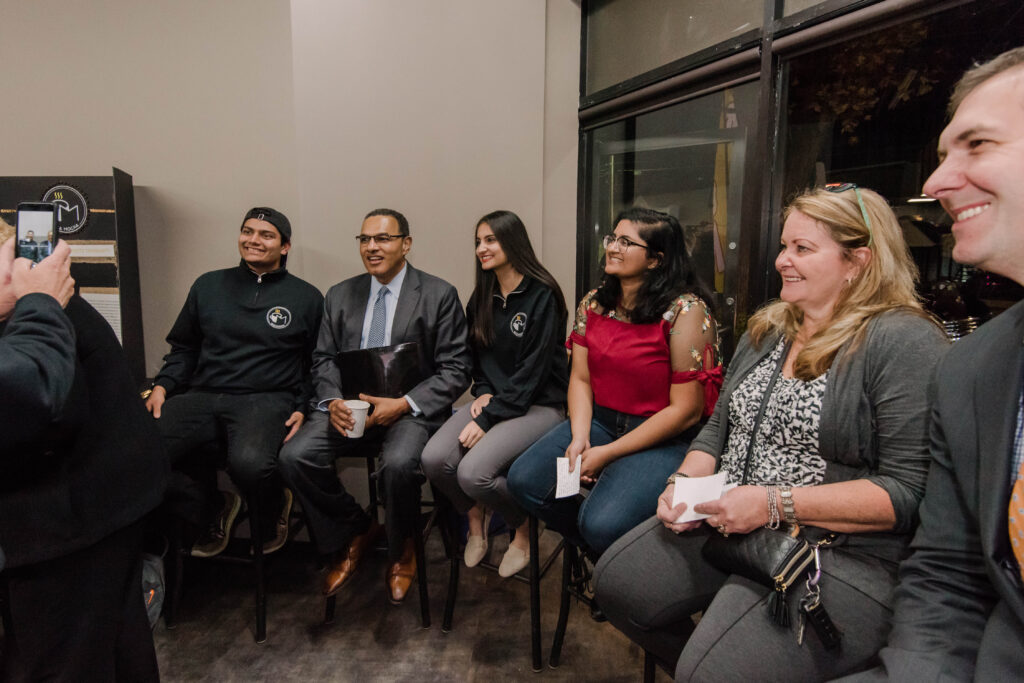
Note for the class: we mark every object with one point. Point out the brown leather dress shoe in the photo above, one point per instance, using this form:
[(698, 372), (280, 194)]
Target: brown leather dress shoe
[(340, 571), (401, 573)]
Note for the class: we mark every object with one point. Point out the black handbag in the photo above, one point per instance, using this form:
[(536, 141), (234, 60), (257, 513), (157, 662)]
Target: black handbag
[(771, 557), (776, 558)]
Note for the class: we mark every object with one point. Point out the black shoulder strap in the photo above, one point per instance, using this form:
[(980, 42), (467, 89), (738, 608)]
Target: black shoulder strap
[(760, 411)]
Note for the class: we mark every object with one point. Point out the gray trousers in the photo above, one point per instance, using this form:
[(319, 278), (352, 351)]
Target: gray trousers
[(651, 580), (334, 516), (479, 474)]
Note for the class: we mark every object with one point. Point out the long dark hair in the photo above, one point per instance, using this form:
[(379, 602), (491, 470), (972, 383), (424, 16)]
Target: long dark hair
[(674, 274), (511, 235)]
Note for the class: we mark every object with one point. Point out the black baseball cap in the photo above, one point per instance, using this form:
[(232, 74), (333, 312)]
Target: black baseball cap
[(274, 217)]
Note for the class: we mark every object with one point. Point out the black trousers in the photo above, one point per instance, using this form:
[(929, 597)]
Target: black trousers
[(196, 426), (81, 617)]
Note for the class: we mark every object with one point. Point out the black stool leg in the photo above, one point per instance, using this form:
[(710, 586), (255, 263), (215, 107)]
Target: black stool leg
[(256, 535), (371, 483), (535, 647), (6, 619), (569, 559), (421, 575), (175, 570), (648, 667), (448, 535), (329, 607)]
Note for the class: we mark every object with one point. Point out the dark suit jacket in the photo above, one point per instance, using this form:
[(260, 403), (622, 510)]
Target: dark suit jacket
[(428, 312), (959, 611)]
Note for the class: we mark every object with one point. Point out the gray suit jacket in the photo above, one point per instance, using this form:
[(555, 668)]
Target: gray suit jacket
[(428, 312), (959, 611)]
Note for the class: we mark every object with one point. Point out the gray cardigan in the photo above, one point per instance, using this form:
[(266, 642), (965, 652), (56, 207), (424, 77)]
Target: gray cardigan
[(874, 416)]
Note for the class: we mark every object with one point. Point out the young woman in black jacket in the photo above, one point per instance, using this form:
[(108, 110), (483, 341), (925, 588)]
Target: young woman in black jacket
[(517, 319)]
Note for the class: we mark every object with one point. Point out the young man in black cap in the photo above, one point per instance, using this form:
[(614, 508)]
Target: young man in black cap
[(238, 374)]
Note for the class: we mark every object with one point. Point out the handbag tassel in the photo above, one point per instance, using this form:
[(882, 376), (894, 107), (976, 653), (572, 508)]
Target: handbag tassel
[(777, 608)]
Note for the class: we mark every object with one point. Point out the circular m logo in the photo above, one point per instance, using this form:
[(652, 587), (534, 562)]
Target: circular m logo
[(279, 317), (71, 209), (518, 324)]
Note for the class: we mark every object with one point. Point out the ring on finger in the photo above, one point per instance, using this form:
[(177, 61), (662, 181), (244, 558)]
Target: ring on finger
[(721, 530)]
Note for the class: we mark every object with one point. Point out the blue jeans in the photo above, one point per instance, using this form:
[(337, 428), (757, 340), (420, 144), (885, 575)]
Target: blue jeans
[(625, 494)]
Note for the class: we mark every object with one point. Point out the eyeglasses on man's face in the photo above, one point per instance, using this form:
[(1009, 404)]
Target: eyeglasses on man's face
[(621, 243), (382, 238)]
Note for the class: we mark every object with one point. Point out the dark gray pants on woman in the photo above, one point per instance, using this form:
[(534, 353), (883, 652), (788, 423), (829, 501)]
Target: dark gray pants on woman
[(651, 580)]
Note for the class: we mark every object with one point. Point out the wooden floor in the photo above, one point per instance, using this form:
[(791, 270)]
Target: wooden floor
[(372, 640)]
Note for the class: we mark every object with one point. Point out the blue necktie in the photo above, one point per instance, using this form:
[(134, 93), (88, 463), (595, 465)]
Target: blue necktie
[(379, 321)]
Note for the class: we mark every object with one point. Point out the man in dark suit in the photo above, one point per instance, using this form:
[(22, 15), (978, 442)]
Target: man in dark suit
[(959, 610), (392, 303)]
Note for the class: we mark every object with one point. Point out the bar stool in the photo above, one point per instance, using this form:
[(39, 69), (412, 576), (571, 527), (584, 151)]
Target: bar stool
[(576, 576), (177, 554), (176, 561), (537, 570), (370, 453)]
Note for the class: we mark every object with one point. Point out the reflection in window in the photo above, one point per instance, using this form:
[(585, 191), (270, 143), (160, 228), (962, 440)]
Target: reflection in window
[(686, 160), (626, 38), (870, 110)]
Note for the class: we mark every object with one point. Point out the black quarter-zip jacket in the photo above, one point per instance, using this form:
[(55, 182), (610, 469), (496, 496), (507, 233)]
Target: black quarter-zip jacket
[(527, 364), (241, 333)]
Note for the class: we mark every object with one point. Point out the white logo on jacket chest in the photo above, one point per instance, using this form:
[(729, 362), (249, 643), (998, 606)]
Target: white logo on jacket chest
[(518, 324), (279, 317)]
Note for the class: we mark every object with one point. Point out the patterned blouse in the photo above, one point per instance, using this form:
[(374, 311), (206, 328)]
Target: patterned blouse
[(629, 363), (786, 445)]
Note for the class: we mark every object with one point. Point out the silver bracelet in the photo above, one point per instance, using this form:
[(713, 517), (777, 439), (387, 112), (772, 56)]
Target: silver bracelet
[(773, 508), (788, 510)]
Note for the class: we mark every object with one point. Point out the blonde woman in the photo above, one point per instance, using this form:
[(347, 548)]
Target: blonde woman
[(841, 365)]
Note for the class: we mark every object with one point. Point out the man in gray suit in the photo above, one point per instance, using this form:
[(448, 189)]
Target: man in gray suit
[(392, 303), (959, 610)]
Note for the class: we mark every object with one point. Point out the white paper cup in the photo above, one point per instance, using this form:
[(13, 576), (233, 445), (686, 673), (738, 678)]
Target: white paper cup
[(359, 410)]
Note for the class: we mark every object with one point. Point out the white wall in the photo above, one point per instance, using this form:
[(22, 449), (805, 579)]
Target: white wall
[(325, 109), (191, 97), (561, 143), (437, 114)]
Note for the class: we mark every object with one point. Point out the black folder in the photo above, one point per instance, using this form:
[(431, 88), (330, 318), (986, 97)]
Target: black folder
[(386, 371)]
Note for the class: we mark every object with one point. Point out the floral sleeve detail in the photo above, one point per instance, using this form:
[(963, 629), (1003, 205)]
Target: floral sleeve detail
[(588, 302), (694, 343), (710, 354)]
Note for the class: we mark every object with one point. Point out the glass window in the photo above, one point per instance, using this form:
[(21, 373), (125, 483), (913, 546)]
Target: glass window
[(794, 6), (686, 160), (626, 38), (869, 110)]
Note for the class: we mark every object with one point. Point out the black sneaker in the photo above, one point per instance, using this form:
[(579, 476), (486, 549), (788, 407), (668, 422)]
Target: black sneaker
[(281, 528), (218, 534)]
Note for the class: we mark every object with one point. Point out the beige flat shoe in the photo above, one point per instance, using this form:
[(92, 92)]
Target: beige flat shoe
[(514, 561), (476, 550)]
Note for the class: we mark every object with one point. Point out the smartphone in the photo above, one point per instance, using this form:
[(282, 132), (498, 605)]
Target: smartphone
[(37, 231)]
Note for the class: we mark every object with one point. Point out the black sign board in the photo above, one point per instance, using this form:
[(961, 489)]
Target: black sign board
[(96, 215)]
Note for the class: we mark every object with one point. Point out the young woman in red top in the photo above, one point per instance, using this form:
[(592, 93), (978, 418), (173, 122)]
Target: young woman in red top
[(645, 369)]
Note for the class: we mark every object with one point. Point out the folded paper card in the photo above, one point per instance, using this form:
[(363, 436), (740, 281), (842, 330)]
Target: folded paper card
[(568, 483), (694, 490)]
